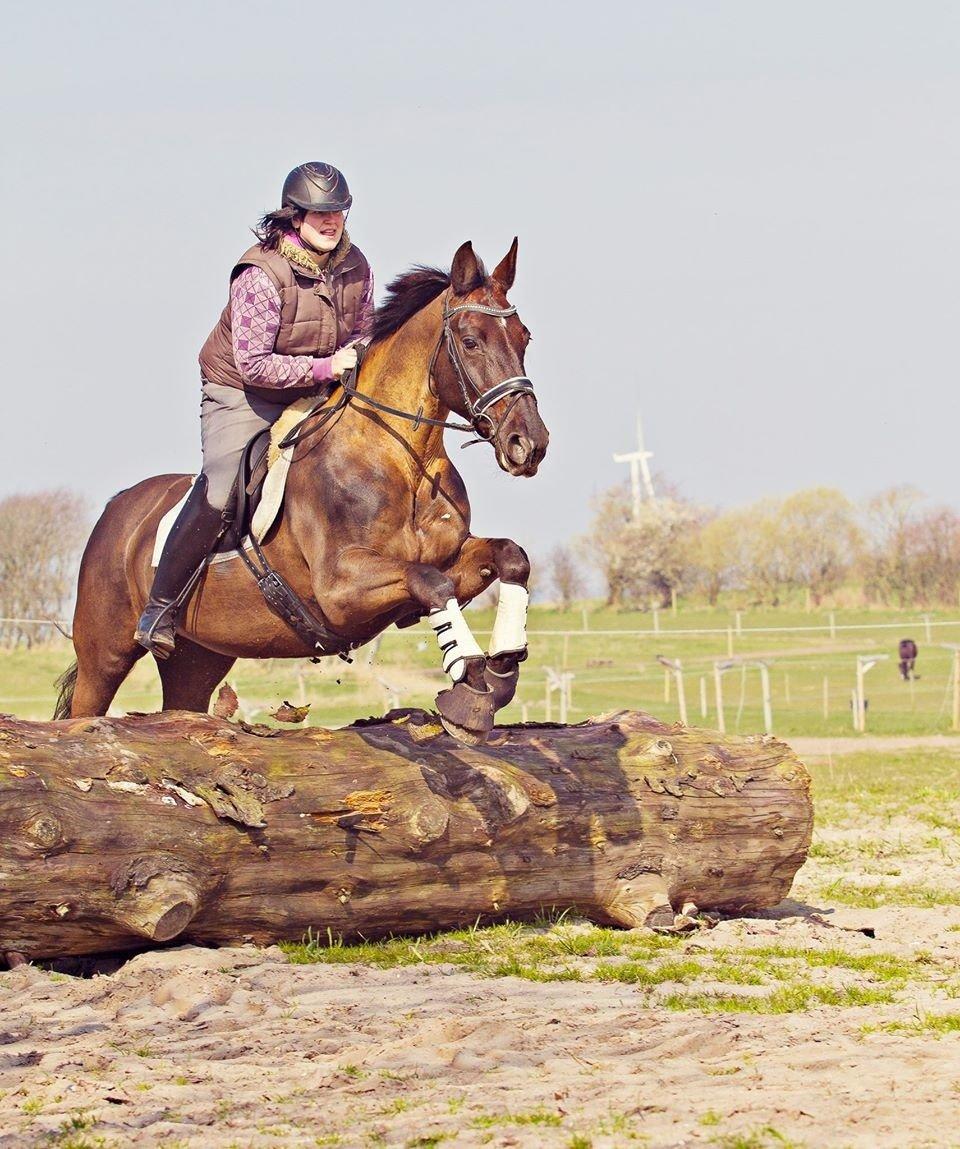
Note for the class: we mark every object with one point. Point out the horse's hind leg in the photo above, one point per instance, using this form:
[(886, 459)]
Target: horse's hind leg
[(191, 674), (102, 665), (103, 640)]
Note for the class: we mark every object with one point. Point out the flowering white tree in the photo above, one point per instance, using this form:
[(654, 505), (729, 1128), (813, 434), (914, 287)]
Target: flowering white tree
[(642, 559)]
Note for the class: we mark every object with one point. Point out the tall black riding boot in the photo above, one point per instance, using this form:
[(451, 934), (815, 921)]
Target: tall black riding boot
[(188, 544)]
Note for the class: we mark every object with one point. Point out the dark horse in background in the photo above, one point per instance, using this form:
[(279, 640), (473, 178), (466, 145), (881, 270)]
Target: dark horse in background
[(908, 658), (375, 527)]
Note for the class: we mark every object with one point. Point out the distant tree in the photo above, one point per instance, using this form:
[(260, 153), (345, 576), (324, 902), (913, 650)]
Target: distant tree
[(41, 535), (932, 545), (642, 560), (886, 564), (566, 576), (820, 540), (718, 553)]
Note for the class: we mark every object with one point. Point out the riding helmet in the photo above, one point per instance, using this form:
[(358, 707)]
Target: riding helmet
[(317, 186)]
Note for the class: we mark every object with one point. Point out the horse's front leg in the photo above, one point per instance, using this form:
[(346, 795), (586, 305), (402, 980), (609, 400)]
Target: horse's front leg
[(480, 562), (370, 584)]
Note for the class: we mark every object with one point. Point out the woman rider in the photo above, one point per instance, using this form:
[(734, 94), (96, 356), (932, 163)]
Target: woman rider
[(300, 300)]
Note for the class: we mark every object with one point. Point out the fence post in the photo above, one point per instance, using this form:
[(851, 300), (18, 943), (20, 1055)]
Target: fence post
[(718, 691), (681, 696), (833, 624), (861, 701), (765, 690), (956, 688), (729, 642)]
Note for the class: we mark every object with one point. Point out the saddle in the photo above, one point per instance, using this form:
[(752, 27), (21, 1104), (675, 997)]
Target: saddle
[(261, 478), (247, 493)]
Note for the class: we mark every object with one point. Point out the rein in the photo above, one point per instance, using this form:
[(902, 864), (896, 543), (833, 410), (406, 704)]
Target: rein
[(478, 409)]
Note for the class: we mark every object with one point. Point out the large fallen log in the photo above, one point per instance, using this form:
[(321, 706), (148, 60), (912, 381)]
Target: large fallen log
[(121, 833)]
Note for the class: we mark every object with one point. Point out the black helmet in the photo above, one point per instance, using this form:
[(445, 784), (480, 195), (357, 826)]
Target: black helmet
[(317, 187)]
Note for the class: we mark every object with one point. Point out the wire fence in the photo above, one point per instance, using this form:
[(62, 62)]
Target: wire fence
[(709, 675), (831, 627)]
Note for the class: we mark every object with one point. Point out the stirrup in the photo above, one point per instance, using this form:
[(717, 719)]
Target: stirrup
[(156, 629)]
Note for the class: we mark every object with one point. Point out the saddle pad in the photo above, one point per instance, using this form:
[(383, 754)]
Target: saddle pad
[(271, 500)]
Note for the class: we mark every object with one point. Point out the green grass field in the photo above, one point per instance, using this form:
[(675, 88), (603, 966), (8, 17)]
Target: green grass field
[(613, 668)]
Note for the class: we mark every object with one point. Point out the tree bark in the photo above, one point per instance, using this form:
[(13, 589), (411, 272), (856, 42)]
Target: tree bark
[(121, 833)]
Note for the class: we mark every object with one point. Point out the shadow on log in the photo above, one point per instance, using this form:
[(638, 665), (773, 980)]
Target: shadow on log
[(119, 832)]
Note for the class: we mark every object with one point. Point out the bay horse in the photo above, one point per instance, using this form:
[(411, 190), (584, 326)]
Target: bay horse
[(375, 527)]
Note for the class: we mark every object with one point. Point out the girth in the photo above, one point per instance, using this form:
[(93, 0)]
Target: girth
[(277, 594)]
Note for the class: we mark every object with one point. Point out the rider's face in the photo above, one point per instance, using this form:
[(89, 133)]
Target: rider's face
[(321, 230)]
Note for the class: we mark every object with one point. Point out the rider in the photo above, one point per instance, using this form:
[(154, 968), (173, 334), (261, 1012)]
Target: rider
[(300, 300)]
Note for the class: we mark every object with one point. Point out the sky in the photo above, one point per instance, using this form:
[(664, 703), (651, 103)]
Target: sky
[(738, 217)]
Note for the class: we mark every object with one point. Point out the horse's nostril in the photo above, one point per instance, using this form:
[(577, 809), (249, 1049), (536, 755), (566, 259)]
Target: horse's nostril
[(519, 448)]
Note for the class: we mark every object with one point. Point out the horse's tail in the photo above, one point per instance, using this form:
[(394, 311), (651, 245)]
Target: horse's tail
[(65, 684)]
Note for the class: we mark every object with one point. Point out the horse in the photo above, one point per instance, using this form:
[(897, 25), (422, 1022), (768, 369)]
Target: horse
[(375, 526), (907, 651)]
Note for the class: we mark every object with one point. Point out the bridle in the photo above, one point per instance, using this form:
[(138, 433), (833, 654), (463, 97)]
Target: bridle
[(481, 422), (479, 409)]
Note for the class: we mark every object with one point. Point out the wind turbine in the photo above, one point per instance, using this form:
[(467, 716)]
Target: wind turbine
[(639, 469)]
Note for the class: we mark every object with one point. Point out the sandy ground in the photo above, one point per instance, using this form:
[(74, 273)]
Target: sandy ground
[(201, 1047), (236, 1047)]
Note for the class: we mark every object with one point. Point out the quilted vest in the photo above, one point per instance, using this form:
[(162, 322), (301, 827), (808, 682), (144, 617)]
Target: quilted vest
[(318, 312)]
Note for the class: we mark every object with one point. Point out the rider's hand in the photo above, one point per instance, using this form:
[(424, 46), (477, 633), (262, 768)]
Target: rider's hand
[(343, 361)]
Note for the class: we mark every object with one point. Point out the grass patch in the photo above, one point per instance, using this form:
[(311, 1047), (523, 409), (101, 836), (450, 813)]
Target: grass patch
[(872, 897), (535, 953), (633, 973), (534, 1117), (787, 999), (883, 967), (927, 1025), (764, 1138)]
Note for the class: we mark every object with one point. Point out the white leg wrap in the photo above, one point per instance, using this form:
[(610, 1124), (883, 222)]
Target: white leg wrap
[(510, 625), (455, 638)]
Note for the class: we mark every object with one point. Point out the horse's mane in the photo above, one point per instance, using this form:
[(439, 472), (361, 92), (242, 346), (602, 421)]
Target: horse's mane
[(408, 294)]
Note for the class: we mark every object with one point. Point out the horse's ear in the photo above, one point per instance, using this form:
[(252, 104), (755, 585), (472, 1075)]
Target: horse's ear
[(506, 269), (465, 272)]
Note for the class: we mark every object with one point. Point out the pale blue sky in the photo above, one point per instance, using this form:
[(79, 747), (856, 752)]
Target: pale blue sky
[(741, 217)]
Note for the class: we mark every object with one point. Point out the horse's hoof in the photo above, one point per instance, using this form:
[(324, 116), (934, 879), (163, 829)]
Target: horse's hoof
[(466, 714)]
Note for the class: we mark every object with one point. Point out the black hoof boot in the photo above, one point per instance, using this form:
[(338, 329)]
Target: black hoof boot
[(502, 673)]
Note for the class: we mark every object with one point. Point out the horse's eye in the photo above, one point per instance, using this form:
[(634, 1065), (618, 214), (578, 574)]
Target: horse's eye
[(469, 343)]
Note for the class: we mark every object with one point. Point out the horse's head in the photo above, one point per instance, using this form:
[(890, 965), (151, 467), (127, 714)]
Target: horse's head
[(481, 375)]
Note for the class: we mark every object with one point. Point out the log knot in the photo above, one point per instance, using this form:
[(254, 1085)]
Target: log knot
[(46, 833), (235, 793)]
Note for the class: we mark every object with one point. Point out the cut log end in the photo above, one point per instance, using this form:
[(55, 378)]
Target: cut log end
[(641, 902), (161, 910)]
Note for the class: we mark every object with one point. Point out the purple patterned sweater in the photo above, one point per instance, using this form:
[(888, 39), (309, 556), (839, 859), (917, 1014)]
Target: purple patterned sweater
[(255, 322)]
